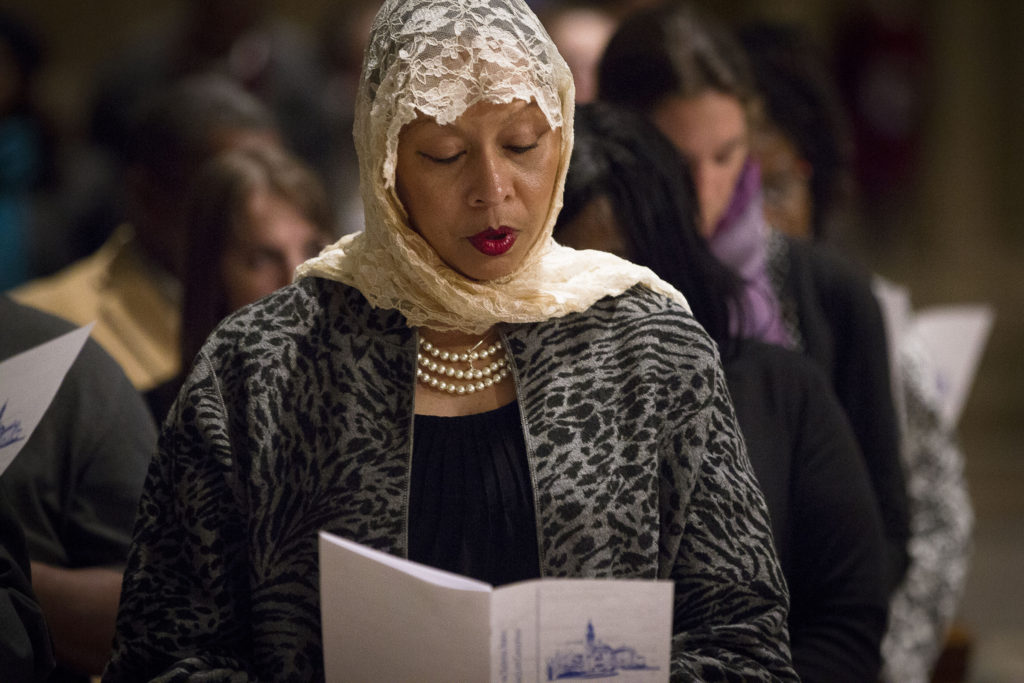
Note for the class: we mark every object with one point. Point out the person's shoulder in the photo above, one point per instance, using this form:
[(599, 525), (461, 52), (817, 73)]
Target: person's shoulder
[(840, 285), (774, 366), (829, 265), (307, 310), (94, 378), (641, 303), (71, 293), (782, 393), (637, 321), (27, 326), (296, 306)]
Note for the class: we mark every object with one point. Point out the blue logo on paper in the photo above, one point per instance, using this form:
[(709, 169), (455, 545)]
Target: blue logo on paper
[(594, 659), (9, 434)]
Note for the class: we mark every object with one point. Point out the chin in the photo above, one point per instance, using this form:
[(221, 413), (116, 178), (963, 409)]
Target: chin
[(487, 271)]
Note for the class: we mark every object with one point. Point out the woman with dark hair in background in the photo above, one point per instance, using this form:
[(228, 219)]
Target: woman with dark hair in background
[(804, 140), (628, 192), (253, 216), (690, 77)]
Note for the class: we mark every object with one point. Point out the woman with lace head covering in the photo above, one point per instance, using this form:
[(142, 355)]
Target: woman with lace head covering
[(451, 386)]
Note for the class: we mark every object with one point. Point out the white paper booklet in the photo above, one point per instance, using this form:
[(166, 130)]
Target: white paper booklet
[(389, 619), (28, 383), (954, 337)]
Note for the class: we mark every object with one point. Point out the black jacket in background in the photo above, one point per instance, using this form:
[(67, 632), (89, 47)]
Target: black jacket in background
[(842, 329), (824, 514)]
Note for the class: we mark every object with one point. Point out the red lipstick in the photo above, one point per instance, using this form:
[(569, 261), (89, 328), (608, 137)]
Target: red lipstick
[(494, 241)]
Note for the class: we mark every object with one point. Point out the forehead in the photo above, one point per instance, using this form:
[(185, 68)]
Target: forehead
[(702, 123), (480, 116)]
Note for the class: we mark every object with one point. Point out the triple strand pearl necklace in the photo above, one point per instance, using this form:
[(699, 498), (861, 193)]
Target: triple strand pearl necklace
[(431, 368)]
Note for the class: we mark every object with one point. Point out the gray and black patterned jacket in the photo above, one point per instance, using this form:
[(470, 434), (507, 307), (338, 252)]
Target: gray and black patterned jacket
[(298, 417)]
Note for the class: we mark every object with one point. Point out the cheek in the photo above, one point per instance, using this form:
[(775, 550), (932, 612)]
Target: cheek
[(542, 183), (418, 197), (725, 178), (233, 279), (243, 282)]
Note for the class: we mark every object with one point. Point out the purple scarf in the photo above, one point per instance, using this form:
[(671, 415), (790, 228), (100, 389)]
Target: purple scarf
[(740, 241)]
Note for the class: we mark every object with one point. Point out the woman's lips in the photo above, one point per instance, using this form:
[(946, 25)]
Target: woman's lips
[(494, 241)]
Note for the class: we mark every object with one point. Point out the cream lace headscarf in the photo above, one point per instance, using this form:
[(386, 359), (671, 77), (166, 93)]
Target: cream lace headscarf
[(438, 58)]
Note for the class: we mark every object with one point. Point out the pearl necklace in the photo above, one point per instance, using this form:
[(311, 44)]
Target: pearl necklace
[(439, 376)]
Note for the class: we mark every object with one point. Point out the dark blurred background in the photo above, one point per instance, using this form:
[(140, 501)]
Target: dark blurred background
[(936, 94)]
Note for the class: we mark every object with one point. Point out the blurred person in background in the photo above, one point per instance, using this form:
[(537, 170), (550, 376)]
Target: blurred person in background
[(628, 192), (26, 149), (245, 41), (688, 74), (254, 215), (131, 286), (804, 141), (580, 29), (883, 58), (75, 487), (344, 31)]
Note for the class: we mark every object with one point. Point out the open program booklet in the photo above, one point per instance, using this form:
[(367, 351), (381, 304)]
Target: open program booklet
[(389, 619)]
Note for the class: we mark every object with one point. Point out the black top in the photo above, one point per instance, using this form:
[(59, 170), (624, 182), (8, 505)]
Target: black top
[(825, 519), (471, 503), (840, 325)]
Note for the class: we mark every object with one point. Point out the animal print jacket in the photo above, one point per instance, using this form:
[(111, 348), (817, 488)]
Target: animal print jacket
[(298, 417)]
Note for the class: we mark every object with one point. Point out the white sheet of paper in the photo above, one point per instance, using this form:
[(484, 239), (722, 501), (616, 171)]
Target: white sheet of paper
[(399, 640), (955, 337), (388, 619), (28, 383)]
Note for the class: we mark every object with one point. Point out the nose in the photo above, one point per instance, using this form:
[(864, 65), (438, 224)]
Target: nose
[(490, 181)]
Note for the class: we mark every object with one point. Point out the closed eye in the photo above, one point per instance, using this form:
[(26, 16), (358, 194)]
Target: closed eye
[(727, 151), (441, 160), (521, 149)]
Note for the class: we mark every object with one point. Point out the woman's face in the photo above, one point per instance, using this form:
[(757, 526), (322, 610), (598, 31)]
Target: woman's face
[(710, 130), (478, 190), (265, 248), (786, 178)]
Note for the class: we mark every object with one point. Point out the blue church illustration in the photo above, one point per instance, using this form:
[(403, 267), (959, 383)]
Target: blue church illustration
[(592, 658)]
